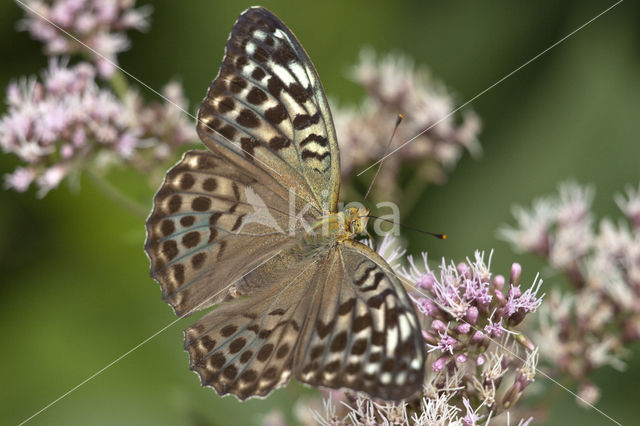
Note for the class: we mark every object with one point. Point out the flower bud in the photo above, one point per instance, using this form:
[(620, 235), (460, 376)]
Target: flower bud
[(525, 341), (429, 338), (516, 271), (513, 394), (425, 281), (463, 328), (427, 307), (480, 360), (477, 337), (440, 363), (438, 326), (463, 270), (498, 282), (514, 292), (472, 315)]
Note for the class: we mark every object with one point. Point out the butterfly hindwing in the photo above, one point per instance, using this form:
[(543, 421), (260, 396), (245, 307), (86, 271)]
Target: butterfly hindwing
[(247, 347), (365, 336), (267, 104)]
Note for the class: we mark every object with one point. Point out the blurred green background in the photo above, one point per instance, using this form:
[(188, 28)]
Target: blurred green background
[(75, 291)]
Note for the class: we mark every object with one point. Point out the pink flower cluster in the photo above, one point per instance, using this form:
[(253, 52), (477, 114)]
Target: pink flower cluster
[(165, 125), (64, 121), (52, 123), (99, 24), (395, 86), (466, 295), (479, 362), (589, 327)]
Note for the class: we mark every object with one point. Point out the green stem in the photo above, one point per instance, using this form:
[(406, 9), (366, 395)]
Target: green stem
[(117, 196), (118, 81), (119, 84)]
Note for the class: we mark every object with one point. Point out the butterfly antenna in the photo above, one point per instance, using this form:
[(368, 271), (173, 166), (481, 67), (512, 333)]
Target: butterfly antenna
[(433, 234), (398, 121)]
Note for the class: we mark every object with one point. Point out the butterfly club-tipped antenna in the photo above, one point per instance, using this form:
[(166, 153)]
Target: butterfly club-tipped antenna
[(395, 129), (433, 234)]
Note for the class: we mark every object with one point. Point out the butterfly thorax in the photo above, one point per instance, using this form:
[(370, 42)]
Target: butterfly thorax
[(338, 227)]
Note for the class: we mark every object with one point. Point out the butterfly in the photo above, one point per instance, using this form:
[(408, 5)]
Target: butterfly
[(298, 294)]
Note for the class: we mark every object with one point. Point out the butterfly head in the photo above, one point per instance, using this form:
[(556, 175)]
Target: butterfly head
[(356, 219)]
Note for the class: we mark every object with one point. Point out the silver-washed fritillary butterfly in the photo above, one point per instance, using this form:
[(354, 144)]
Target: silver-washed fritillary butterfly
[(307, 301)]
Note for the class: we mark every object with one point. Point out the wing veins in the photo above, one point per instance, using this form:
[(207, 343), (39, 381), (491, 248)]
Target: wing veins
[(275, 346), (304, 107), (239, 169), (208, 226), (333, 329), (233, 148), (208, 355), (316, 311), (368, 308)]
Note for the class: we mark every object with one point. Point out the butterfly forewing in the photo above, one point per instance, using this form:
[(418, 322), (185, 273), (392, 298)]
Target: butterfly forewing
[(365, 335), (267, 103), (207, 228)]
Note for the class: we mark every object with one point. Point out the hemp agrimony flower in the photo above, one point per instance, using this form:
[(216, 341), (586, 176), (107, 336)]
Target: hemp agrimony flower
[(394, 85), (99, 24), (587, 328), (65, 122)]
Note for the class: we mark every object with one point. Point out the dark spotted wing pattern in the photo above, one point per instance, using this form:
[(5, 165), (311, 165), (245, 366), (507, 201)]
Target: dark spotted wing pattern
[(203, 234), (247, 347), (366, 335), (267, 103)]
